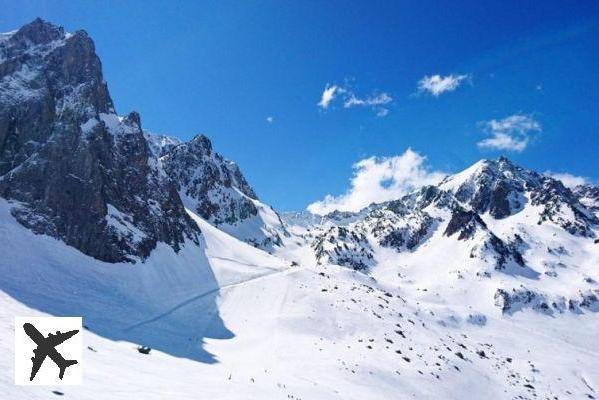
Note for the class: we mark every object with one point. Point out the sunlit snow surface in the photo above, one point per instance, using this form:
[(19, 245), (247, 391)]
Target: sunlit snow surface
[(228, 321)]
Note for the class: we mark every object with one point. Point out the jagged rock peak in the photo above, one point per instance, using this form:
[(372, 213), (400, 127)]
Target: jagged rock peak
[(503, 189), (202, 144), (80, 173), (39, 31), (41, 61), (466, 222)]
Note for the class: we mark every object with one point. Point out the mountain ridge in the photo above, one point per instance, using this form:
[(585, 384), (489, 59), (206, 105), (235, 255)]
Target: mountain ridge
[(85, 175), (490, 218)]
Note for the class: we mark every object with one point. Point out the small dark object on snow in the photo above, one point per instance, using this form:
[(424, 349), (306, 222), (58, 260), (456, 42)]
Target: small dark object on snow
[(144, 349), (56, 392), (481, 354), (459, 354), (400, 333)]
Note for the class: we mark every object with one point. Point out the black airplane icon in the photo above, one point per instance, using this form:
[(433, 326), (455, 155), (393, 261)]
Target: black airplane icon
[(46, 347)]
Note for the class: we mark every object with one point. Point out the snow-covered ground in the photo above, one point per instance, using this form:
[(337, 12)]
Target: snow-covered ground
[(228, 321)]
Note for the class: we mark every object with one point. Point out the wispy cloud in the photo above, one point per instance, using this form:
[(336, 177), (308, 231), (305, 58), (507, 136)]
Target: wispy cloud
[(328, 95), (436, 85), (382, 112), (379, 179), (375, 101), (512, 133), (567, 179)]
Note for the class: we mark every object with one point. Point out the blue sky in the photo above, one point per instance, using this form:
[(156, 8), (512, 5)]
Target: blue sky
[(223, 68)]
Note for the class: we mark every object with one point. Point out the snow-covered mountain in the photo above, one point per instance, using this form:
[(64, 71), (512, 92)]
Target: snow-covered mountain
[(216, 190), (484, 286), (94, 179), (529, 235), (78, 171)]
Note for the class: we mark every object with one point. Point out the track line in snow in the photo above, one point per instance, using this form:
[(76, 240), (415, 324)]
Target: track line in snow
[(199, 296), (244, 263)]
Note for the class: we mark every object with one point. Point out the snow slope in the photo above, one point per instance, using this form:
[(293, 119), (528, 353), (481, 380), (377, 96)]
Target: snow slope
[(228, 321)]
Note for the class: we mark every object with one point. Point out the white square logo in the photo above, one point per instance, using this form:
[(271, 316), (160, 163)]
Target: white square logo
[(48, 350)]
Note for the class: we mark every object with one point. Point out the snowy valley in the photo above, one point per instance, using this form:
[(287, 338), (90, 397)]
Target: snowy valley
[(483, 286)]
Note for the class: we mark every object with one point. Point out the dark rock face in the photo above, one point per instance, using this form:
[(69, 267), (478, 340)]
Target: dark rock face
[(518, 299), (81, 173), (504, 252), (503, 189), (588, 195), (497, 188), (466, 222), (555, 198), (343, 246), (408, 238), (404, 231), (430, 195), (217, 191), (215, 187), (47, 81), (521, 298)]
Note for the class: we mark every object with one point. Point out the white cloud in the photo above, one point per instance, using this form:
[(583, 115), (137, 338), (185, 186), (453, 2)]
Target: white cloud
[(382, 112), (567, 179), (437, 84), (350, 99), (502, 141), (512, 133), (329, 94), (514, 123), (377, 180), (270, 119)]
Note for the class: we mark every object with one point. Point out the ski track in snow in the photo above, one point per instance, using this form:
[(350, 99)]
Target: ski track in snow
[(195, 298)]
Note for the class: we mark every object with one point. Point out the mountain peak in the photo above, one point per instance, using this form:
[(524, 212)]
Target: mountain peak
[(505, 163), (43, 64), (201, 142), (495, 169), (52, 98), (40, 31), (501, 163)]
